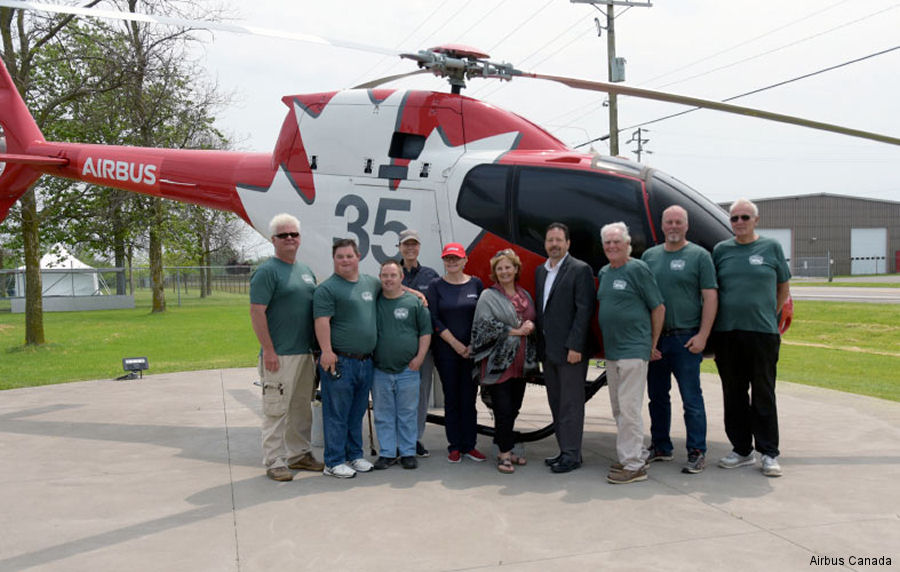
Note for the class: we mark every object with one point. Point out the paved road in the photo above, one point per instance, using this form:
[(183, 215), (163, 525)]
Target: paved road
[(846, 294), (164, 474)]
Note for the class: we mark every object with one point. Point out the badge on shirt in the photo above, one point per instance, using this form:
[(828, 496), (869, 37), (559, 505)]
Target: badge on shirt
[(619, 285), (676, 264), (367, 296), (471, 295), (401, 313), (756, 260), (307, 278)]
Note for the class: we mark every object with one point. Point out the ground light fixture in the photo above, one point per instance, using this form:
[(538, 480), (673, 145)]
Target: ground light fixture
[(135, 367)]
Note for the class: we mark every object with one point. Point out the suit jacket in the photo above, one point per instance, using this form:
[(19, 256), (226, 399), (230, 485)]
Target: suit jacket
[(565, 323)]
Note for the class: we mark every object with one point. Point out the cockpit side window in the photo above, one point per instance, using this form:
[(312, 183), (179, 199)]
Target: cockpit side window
[(584, 201), (483, 198)]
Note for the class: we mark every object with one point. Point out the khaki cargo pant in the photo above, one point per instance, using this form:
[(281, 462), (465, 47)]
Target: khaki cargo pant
[(287, 417)]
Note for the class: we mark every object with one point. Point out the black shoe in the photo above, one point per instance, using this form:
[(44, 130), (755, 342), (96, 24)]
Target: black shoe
[(384, 462), (409, 462), (550, 461), (421, 451), (565, 466)]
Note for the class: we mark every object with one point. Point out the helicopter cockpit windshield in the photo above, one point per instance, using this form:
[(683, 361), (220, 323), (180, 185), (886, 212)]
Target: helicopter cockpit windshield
[(518, 202)]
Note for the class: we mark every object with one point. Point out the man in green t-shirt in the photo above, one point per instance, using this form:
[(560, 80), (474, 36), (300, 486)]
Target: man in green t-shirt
[(631, 314), (687, 280), (754, 284), (344, 310), (281, 299), (404, 335)]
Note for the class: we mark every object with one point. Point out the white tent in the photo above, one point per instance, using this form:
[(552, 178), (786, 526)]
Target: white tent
[(62, 275)]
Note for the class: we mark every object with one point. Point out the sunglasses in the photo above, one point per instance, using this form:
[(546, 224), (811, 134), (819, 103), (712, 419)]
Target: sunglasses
[(743, 217), (283, 235), (504, 252)]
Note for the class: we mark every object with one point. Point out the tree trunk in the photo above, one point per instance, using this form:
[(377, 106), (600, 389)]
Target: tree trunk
[(34, 302), (118, 241), (129, 257), (207, 263), (156, 257)]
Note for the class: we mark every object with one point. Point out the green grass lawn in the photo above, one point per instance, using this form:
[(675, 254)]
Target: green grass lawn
[(837, 283), (842, 346), (200, 334)]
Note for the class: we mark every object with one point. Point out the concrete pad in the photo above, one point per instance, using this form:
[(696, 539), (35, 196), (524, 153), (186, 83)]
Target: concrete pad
[(164, 474)]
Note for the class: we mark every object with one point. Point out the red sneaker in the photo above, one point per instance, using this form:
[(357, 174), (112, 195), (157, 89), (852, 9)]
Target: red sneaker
[(476, 455), (454, 457)]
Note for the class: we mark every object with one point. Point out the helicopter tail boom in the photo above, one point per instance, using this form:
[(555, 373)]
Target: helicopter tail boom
[(204, 177)]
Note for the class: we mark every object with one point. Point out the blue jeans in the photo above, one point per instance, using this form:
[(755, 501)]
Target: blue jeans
[(677, 360), (395, 400), (344, 403)]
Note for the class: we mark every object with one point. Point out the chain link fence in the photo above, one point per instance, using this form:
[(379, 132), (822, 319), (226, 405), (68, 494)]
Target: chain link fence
[(178, 281)]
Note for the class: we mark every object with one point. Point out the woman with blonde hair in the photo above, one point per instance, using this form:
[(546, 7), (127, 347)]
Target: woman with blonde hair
[(504, 350)]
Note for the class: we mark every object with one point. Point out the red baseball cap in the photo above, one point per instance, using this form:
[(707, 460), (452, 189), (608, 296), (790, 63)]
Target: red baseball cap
[(453, 249)]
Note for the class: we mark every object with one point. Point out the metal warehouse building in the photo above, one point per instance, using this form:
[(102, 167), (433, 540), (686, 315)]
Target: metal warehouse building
[(861, 236)]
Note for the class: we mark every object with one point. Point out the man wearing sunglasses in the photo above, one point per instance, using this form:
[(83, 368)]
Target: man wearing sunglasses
[(281, 312), (753, 279)]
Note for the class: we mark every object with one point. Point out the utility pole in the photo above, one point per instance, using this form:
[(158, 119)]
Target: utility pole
[(615, 66), (610, 63), (638, 137)]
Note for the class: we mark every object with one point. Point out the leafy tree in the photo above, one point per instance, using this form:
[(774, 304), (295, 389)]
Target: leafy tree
[(53, 62), (72, 75)]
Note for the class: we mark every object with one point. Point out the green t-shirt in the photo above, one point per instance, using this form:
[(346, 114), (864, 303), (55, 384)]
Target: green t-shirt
[(626, 296), (680, 276), (401, 322), (748, 275), (351, 307), (286, 290)]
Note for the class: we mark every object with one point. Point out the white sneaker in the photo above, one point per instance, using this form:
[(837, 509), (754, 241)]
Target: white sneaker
[(770, 466), (342, 471), (361, 465), (732, 460)]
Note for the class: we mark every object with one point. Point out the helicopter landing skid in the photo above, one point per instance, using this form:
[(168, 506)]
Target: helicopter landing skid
[(590, 389)]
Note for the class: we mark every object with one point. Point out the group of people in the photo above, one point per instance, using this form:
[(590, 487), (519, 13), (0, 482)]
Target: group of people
[(387, 335)]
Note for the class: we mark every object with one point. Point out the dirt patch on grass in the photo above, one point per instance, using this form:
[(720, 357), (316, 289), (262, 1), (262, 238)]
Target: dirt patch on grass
[(841, 348)]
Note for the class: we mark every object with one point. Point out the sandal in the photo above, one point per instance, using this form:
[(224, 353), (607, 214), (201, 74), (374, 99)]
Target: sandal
[(505, 466), (516, 460)]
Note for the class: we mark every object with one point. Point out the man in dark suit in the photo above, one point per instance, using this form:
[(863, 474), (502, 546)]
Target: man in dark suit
[(564, 297)]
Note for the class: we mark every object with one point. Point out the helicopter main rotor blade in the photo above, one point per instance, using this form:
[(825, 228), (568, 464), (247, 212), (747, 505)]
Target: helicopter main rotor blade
[(710, 104), (387, 79), (197, 24)]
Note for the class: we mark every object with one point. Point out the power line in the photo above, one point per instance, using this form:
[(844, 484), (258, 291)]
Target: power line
[(517, 28), (501, 85), (778, 49), (482, 19), (744, 43), (774, 85), (726, 50), (399, 45)]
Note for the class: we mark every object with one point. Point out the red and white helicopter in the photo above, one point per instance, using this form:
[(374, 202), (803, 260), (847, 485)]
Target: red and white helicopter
[(372, 161)]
